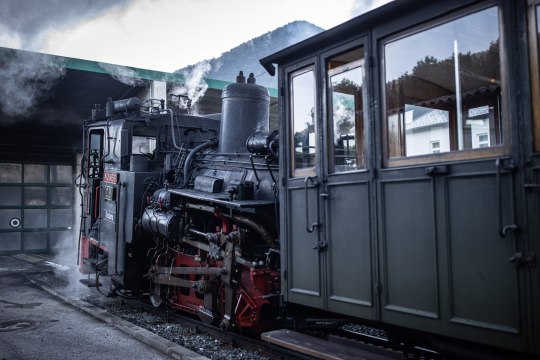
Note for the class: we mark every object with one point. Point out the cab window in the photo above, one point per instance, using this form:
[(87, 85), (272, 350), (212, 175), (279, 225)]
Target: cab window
[(143, 145), (443, 88), (95, 154)]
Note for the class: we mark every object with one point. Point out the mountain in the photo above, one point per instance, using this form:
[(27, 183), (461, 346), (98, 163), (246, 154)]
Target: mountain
[(246, 56)]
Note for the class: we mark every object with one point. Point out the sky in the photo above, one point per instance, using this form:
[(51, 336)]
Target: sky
[(162, 35)]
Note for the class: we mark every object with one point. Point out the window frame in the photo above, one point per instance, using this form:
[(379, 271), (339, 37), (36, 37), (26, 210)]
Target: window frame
[(454, 155), (360, 42), (291, 74), (435, 149), (358, 63), (99, 133), (534, 62)]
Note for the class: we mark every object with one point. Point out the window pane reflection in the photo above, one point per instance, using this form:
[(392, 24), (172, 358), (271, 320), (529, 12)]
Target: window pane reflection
[(143, 145), (34, 173), (35, 196), (437, 101), (535, 87), (10, 195), (35, 218), (61, 195), (538, 23), (61, 174), (303, 123), (10, 173), (346, 74)]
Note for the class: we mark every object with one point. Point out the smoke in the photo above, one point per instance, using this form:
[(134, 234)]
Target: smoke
[(65, 245), (27, 21), (123, 74), (194, 87), (217, 65), (362, 6), (27, 79)]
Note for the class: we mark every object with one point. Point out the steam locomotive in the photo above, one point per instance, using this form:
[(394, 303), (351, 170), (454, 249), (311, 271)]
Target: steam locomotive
[(183, 209), (406, 192)]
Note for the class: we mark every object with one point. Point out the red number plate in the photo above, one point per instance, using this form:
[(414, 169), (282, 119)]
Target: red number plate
[(110, 177)]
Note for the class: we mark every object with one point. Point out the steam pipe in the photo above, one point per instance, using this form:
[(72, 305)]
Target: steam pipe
[(255, 172), (172, 131), (81, 178), (192, 153), (107, 138), (265, 235)]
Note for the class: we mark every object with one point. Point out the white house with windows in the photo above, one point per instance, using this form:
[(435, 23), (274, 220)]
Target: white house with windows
[(427, 130)]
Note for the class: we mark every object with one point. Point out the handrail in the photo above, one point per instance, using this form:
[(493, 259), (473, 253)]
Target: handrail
[(315, 183), (97, 211), (503, 229)]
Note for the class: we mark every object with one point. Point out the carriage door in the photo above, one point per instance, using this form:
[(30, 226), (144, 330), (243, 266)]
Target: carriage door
[(446, 219), (346, 189), (532, 185), (328, 191), (301, 218)]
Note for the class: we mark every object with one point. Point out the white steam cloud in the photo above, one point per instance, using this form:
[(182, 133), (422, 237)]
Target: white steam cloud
[(28, 22), (194, 87), (123, 74), (362, 6), (27, 79)]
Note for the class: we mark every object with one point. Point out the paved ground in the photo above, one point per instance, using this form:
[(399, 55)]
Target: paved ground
[(35, 324)]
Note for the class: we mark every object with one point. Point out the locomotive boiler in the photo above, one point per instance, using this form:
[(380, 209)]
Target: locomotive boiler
[(183, 209)]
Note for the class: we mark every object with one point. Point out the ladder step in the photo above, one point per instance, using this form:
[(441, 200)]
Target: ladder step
[(319, 348)]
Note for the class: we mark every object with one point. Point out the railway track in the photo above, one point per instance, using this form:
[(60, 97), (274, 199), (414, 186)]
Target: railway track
[(231, 338), (349, 342), (346, 342), (341, 344)]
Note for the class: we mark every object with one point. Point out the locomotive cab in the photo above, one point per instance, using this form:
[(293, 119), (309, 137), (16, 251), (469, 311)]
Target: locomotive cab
[(127, 157)]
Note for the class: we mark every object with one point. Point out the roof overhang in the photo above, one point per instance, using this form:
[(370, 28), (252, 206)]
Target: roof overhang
[(44, 120)]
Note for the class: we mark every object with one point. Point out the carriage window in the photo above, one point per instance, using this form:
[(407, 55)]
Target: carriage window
[(345, 74), (443, 88), (303, 123), (536, 90), (537, 22)]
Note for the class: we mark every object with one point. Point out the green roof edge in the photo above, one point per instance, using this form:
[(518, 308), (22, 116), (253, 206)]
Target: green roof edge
[(94, 66)]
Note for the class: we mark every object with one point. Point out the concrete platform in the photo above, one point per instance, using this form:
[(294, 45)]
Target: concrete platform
[(38, 322)]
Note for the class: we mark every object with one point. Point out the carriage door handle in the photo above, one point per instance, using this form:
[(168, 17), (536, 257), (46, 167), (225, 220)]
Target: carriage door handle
[(503, 229), (309, 228)]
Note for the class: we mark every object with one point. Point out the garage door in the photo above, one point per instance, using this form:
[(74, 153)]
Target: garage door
[(36, 207)]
